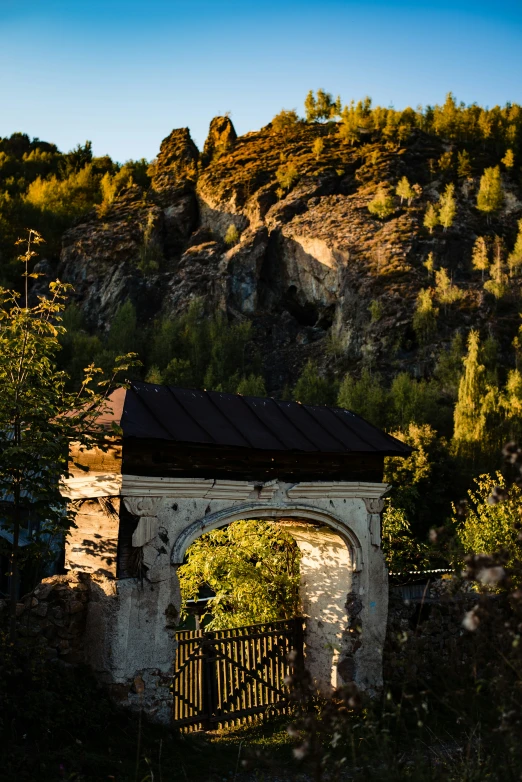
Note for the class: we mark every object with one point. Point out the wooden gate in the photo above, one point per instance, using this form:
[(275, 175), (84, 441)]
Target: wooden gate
[(228, 676)]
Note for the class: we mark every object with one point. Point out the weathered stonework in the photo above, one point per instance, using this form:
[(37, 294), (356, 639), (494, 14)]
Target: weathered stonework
[(130, 633)]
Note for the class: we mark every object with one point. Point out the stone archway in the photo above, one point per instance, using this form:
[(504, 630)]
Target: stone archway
[(188, 461), (132, 621)]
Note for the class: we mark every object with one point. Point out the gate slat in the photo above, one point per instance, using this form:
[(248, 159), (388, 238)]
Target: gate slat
[(232, 676)]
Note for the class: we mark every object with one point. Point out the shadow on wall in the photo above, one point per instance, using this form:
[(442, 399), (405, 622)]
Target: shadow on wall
[(326, 571)]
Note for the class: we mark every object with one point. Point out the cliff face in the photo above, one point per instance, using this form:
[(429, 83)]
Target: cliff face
[(310, 258)]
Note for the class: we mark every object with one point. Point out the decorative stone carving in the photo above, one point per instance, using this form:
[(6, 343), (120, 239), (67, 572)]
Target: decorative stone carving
[(374, 507), (336, 489), (146, 508)]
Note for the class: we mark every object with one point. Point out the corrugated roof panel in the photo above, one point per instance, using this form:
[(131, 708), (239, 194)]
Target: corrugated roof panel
[(163, 404), (380, 441), (269, 411), (138, 421), (201, 408), (213, 418), (253, 430), (310, 428)]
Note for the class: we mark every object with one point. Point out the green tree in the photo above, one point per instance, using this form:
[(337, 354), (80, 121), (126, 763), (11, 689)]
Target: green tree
[(232, 235), (515, 256), (446, 292), (480, 255), (405, 191), (491, 195), (365, 396), (425, 316), (39, 419), (431, 218), (310, 106), (252, 567), (381, 204), (449, 367), (285, 121), (509, 159), (464, 169), (490, 527), (468, 417), (318, 148), (313, 389), (252, 385), (497, 285), (411, 401), (429, 264), (447, 207), (287, 175)]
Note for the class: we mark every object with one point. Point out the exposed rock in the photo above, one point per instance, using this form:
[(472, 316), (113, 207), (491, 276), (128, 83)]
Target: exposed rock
[(221, 138), (310, 259)]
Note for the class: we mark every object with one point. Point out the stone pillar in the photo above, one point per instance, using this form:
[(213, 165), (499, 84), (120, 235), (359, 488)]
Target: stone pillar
[(326, 578), (131, 622)]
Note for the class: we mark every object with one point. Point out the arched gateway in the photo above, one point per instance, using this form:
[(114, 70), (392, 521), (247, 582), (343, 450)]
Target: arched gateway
[(190, 461)]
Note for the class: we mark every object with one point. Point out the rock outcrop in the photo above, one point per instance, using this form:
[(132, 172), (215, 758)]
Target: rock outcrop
[(310, 258)]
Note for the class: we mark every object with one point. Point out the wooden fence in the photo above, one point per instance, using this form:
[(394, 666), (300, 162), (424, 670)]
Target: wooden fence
[(229, 676)]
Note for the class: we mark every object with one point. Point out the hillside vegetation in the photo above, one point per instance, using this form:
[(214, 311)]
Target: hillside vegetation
[(361, 256)]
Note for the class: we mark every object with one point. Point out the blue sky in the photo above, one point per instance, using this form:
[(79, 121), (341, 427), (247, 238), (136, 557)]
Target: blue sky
[(123, 74)]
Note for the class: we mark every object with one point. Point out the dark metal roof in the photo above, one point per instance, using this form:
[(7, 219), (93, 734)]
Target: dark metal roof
[(185, 415)]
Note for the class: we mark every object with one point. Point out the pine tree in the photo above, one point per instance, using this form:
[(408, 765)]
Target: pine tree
[(445, 291), (464, 170), (318, 147), (515, 257), (447, 207), (479, 257), (405, 191), (425, 317), (310, 105), (431, 218), (382, 204), (468, 417), (497, 285), (429, 264), (311, 388), (509, 159), (490, 196)]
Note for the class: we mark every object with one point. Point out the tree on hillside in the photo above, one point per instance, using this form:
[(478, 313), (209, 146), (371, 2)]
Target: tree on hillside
[(381, 204), (322, 106), (365, 396), (515, 256), (509, 159), (491, 195), (285, 121), (497, 285), (429, 264), (447, 207), (425, 316), (39, 419), (313, 389), (405, 191), (431, 218), (480, 256), (446, 292), (464, 169), (468, 416)]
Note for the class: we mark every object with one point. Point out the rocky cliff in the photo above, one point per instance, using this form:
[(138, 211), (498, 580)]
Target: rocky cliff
[(305, 259)]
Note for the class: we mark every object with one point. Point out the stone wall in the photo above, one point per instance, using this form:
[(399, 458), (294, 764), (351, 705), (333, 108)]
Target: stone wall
[(52, 617)]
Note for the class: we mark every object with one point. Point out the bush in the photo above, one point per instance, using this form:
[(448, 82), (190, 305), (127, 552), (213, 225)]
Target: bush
[(381, 204), (232, 235)]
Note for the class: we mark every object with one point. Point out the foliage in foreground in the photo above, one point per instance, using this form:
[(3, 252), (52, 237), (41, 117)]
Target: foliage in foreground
[(252, 567)]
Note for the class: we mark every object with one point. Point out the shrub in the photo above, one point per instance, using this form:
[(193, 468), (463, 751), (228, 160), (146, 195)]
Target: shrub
[(287, 175), (382, 204), (232, 235)]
